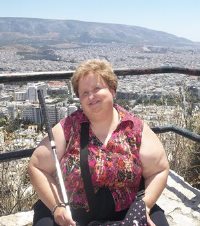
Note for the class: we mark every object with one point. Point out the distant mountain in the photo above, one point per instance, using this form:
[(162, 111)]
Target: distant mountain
[(46, 31)]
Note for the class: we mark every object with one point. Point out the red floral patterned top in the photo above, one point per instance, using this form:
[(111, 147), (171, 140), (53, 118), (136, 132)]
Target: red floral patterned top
[(116, 165)]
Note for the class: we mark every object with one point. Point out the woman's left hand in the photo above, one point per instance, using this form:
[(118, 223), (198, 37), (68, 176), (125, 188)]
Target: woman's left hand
[(63, 217), (149, 221)]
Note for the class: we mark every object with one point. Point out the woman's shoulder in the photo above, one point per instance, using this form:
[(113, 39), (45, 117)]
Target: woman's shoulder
[(126, 115), (75, 117), (73, 122)]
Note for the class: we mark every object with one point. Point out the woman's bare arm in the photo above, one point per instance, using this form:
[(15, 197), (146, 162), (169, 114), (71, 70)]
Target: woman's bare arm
[(42, 175), (155, 166)]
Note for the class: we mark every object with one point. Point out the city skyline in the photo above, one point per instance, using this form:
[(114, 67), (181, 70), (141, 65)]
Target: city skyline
[(175, 17)]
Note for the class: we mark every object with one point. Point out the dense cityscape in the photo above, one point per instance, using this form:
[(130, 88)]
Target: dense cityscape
[(160, 99), (20, 100)]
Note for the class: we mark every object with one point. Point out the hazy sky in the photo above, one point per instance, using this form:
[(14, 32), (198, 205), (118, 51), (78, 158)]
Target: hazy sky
[(178, 17)]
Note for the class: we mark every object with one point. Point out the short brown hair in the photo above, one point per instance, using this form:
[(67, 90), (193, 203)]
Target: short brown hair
[(99, 67)]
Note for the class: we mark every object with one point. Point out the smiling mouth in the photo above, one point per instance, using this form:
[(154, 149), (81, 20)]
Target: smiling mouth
[(94, 103)]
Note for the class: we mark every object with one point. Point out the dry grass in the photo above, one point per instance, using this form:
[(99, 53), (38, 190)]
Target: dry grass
[(16, 193), (183, 153)]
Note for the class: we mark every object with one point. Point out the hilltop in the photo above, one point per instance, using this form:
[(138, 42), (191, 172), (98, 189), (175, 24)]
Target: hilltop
[(50, 31)]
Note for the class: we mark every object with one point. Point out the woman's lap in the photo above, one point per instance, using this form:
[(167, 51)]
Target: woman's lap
[(43, 216), (158, 217)]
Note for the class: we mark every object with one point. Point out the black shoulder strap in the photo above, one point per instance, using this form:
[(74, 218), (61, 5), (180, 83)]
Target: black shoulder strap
[(85, 172)]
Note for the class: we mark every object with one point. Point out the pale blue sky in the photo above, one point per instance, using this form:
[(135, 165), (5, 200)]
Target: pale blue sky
[(179, 17)]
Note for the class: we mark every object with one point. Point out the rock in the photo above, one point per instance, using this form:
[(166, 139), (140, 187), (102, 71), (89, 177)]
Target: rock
[(18, 219), (180, 201)]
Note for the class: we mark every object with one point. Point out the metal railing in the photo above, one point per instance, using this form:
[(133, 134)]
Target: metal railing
[(57, 75), (62, 75)]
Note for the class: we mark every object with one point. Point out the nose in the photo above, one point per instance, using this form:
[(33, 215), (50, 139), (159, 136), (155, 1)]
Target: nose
[(90, 95)]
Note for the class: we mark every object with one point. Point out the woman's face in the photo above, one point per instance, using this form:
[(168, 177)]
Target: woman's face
[(95, 95)]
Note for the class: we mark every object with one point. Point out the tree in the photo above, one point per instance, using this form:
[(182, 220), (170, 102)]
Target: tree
[(13, 125), (3, 121)]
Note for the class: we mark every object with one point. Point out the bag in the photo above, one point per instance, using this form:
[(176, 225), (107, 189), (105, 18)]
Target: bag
[(101, 204), (136, 216)]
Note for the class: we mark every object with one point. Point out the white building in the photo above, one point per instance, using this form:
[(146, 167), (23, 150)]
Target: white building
[(53, 114), (71, 108), (32, 89), (32, 113), (1, 135), (20, 96), (12, 110), (63, 112)]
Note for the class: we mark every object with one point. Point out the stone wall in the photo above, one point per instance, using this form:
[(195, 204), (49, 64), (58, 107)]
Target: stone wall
[(180, 201)]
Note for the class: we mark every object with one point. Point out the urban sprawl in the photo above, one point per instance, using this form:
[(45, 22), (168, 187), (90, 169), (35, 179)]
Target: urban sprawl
[(20, 100)]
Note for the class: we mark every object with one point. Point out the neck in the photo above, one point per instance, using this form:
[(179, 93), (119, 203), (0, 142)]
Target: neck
[(107, 122), (103, 128)]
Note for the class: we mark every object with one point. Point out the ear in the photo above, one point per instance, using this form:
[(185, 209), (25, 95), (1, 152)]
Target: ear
[(113, 93)]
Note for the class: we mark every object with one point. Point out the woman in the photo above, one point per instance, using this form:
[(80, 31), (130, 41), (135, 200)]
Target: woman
[(122, 149)]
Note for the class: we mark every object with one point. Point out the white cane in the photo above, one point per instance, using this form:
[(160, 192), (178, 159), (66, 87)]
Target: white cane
[(53, 147)]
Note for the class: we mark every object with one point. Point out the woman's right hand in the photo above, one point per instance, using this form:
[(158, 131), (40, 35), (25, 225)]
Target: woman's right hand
[(63, 217)]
